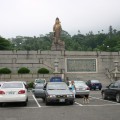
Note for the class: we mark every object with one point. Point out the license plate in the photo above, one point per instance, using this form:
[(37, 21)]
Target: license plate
[(62, 100), (97, 87), (11, 93)]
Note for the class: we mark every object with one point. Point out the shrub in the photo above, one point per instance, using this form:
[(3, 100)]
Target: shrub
[(23, 70), (5, 71), (30, 85), (43, 71)]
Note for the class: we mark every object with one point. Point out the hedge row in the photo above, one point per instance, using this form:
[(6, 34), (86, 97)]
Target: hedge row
[(23, 70)]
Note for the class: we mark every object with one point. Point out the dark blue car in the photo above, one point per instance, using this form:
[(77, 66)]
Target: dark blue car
[(56, 79), (94, 84)]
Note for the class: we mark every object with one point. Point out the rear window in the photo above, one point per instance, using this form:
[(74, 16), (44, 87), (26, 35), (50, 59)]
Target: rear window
[(55, 79), (39, 87), (40, 81), (12, 85)]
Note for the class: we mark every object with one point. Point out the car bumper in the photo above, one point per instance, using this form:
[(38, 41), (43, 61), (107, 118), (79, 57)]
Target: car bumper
[(96, 87), (42, 95), (21, 98), (60, 99), (82, 93)]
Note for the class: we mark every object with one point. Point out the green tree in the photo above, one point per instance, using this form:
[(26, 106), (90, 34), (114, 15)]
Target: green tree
[(23, 70), (4, 44), (5, 71), (43, 71)]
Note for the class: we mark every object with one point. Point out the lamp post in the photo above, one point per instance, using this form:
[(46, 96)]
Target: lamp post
[(116, 69), (116, 66), (56, 65)]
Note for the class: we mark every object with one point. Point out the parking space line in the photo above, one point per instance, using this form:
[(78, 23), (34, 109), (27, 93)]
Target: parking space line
[(78, 104), (103, 105), (103, 99), (36, 101)]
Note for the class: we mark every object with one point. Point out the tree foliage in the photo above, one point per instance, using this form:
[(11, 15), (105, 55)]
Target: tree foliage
[(4, 44), (43, 71), (23, 70), (79, 42), (5, 71)]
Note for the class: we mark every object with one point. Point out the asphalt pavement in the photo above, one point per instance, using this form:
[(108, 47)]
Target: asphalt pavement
[(97, 109)]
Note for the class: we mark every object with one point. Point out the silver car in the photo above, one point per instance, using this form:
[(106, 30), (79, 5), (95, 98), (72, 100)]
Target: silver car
[(58, 92), (38, 91), (39, 81), (81, 88)]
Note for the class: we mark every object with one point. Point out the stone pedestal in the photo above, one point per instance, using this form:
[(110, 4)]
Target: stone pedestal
[(58, 46)]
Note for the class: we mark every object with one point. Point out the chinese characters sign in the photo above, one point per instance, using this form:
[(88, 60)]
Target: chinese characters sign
[(81, 65)]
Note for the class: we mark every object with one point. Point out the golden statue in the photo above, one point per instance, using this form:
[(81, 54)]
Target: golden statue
[(57, 31)]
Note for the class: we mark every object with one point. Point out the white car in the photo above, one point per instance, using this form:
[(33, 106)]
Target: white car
[(81, 88), (13, 92)]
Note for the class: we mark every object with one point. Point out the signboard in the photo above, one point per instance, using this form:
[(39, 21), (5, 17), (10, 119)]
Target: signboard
[(81, 65)]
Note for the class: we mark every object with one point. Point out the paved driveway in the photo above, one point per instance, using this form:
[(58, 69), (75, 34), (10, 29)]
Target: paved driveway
[(97, 109)]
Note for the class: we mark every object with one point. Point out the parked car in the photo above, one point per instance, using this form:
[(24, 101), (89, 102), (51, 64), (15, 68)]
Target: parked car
[(112, 91), (81, 88), (58, 92), (13, 92), (39, 81), (38, 91), (25, 83), (94, 84), (1, 82), (56, 79)]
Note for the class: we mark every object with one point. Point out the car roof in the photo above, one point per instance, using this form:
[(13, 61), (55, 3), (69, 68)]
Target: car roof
[(56, 83), (14, 82), (40, 79), (77, 81)]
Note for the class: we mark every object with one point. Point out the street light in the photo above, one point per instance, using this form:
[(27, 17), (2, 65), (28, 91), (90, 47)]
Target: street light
[(56, 65)]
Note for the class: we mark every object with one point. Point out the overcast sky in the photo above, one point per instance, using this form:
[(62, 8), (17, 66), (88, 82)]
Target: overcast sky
[(35, 17)]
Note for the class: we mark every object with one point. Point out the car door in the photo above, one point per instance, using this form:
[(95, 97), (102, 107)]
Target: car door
[(111, 91), (88, 83), (114, 90)]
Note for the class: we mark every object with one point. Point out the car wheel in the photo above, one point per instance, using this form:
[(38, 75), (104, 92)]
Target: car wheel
[(46, 102), (118, 98), (43, 99), (0, 104), (104, 96), (99, 88), (36, 96), (24, 103), (71, 102)]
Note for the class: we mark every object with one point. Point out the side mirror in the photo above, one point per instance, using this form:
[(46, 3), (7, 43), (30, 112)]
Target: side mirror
[(107, 86), (70, 88), (44, 88)]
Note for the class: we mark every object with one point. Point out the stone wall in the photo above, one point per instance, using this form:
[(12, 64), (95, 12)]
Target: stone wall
[(38, 59)]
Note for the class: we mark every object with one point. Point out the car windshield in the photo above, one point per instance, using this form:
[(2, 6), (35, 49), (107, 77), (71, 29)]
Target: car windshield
[(40, 81), (12, 85), (95, 81), (57, 87)]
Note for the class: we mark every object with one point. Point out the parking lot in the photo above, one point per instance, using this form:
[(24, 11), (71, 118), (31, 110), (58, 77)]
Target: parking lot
[(37, 110)]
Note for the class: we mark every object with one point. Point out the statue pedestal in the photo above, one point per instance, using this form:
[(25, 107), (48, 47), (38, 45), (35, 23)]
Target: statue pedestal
[(58, 46)]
